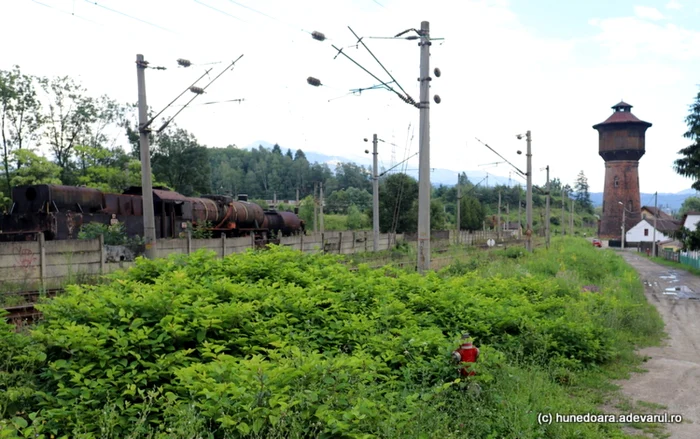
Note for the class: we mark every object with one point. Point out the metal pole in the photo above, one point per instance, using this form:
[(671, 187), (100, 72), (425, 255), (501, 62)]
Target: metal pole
[(149, 221), (320, 206), (653, 246), (571, 219), (498, 218), (520, 205), (563, 223), (424, 152), (622, 238), (375, 195), (315, 208), (546, 219), (459, 207), (528, 208)]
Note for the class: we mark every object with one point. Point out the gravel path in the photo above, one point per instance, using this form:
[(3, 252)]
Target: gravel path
[(673, 377)]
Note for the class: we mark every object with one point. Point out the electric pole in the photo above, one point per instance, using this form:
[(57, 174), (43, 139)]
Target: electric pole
[(520, 205), (563, 222), (507, 225), (622, 236), (571, 219), (320, 206), (424, 152), (546, 220), (375, 195), (528, 207), (656, 214), (498, 218), (315, 208), (459, 217), (149, 221)]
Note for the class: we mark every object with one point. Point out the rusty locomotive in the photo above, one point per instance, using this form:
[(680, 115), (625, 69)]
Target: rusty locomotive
[(60, 211)]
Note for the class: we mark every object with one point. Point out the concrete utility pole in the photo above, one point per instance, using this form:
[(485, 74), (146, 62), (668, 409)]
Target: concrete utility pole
[(622, 235), (149, 221), (507, 225), (424, 152), (320, 206), (528, 207), (375, 195), (546, 220), (315, 208), (653, 246), (520, 205), (459, 206), (563, 223), (498, 218), (571, 219), (297, 205)]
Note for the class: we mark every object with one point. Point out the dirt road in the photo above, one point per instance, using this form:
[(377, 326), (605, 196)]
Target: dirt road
[(673, 377)]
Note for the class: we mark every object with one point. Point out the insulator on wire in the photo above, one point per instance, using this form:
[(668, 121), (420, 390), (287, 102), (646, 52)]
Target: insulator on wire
[(318, 36), (313, 81), (197, 90), (184, 62)]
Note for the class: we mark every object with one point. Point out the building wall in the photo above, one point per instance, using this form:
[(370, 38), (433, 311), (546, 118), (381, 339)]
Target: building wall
[(636, 233), (691, 222), (621, 184)]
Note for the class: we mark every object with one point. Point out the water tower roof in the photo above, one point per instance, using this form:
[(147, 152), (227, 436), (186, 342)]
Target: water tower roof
[(622, 114)]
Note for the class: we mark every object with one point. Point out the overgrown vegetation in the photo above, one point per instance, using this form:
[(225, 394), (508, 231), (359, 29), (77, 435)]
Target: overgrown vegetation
[(282, 344), (114, 234)]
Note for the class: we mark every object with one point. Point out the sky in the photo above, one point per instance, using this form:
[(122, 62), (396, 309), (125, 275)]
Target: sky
[(552, 67)]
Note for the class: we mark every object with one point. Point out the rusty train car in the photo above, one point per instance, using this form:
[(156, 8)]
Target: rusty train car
[(60, 211)]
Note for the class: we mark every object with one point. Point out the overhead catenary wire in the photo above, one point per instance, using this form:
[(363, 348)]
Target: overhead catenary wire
[(129, 16), (499, 155), (197, 94), (359, 40), (150, 121), (220, 11), (66, 12)]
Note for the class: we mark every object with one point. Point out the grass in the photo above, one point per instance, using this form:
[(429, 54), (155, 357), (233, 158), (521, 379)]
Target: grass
[(676, 265)]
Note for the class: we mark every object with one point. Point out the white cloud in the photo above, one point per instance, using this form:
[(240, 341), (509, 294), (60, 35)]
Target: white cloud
[(499, 77), (674, 4), (648, 12)]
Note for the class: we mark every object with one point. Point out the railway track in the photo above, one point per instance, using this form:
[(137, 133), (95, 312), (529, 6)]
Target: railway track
[(23, 311)]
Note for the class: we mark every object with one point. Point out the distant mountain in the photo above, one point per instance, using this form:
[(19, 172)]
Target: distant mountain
[(447, 177), (667, 202), (438, 176)]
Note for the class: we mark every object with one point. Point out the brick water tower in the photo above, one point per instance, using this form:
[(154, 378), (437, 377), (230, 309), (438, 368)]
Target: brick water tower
[(621, 144)]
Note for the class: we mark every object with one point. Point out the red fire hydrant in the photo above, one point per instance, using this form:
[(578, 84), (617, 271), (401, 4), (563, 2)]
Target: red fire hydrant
[(466, 353)]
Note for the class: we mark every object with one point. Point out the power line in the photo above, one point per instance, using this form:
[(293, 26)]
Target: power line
[(378, 3), (254, 10), (220, 11), (197, 94), (506, 160), (359, 40), (129, 16), (216, 102), (65, 12)]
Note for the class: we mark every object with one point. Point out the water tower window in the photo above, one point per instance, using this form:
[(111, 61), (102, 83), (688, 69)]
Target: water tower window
[(629, 206), (617, 181)]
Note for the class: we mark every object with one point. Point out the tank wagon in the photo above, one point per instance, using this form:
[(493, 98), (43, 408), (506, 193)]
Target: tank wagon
[(60, 211)]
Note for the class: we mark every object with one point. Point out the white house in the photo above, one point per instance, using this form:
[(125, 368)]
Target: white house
[(644, 230), (690, 220)]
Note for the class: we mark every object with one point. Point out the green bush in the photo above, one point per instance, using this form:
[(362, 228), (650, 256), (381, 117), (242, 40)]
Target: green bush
[(279, 344)]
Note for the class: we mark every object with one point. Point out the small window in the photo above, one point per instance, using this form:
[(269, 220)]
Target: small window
[(646, 232), (617, 181)]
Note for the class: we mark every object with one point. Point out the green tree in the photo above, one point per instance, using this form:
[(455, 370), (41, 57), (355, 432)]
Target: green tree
[(20, 115), (354, 219), (471, 214), (34, 169), (690, 204), (689, 164), (73, 119), (583, 198), (438, 217), (398, 206), (182, 163)]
